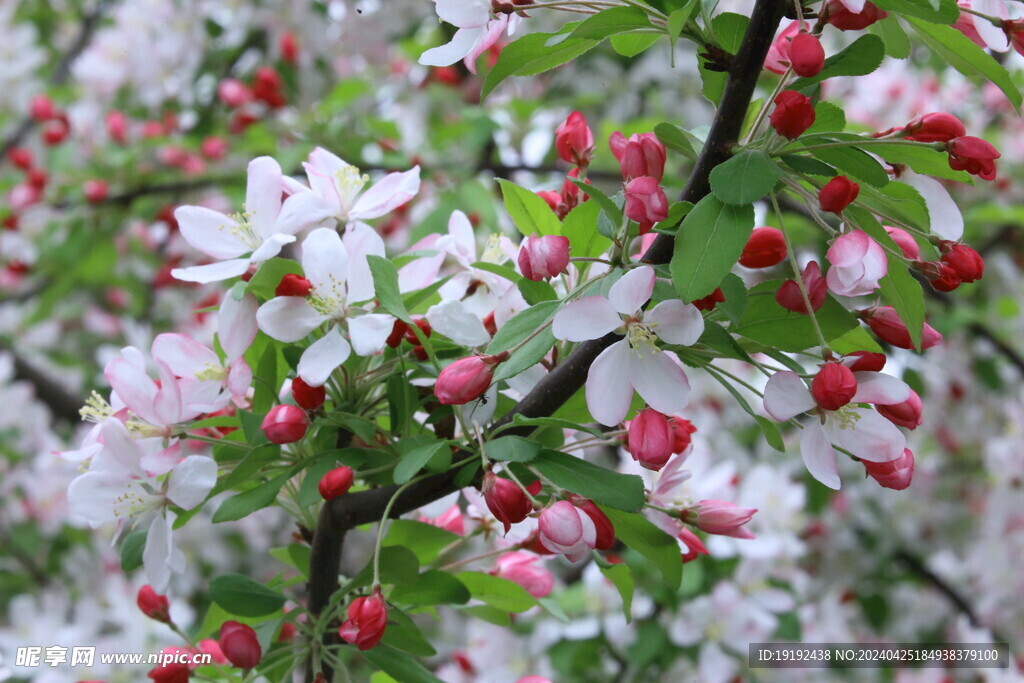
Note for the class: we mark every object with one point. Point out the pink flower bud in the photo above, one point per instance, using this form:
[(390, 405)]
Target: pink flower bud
[(905, 241), (21, 157), (335, 483), (765, 248), (294, 285), (887, 324), (790, 297), (651, 439), (367, 619), (777, 60), (573, 140), (117, 126), (966, 262), (41, 108), (542, 257), (239, 644), (95, 191), (526, 570), (603, 526), (836, 13), (806, 55), (906, 414), (837, 194), (55, 132), (895, 474), (646, 202), (974, 155), (449, 520), (289, 47), (466, 379), (285, 424), (640, 155), (233, 92), (552, 197), (506, 501), (154, 606), (858, 263), (534, 679), (834, 386), (175, 671), (693, 545), (564, 528), (865, 361), (793, 114), (934, 127), (719, 517), (682, 431), (306, 396), (214, 147)]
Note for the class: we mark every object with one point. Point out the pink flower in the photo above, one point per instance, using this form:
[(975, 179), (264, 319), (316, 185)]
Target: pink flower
[(646, 202), (639, 155), (906, 414), (777, 60), (691, 544), (543, 257), (806, 54), (367, 619), (636, 362), (465, 379), (506, 501), (791, 298), (335, 483), (450, 520), (478, 31), (651, 439), (895, 474), (887, 324), (834, 386), (765, 248), (285, 424), (719, 517), (566, 529), (574, 141), (526, 570), (239, 644), (153, 605), (860, 431), (905, 241), (858, 263)]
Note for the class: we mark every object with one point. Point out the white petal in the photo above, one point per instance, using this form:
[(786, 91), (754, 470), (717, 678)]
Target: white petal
[(993, 36), (158, 555), (369, 333), (271, 247), (212, 272), (659, 381), (870, 436), (591, 317), (451, 319), (91, 496), (239, 378), (288, 318), (325, 263), (460, 241), (676, 322), (876, 387), (183, 355), (460, 46), (394, 190), (481, 410), (464, 13), (301, 211), (609, 391), (211, 232), (263, 195), (236, 324), (786, 396), (855, 6), (360, 241), (819, 458), (632, 290), (322, 357), (191, 480), (944, 215)]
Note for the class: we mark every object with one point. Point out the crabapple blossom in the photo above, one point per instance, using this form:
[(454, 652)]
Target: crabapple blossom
[(837, 194), (240, 645), (806, 54), (507, 502), (543, 256), (967, 263), (573, 140), (719, 517), (633, 363), (851, 15), (639, 155), (887, 324), (905, 241), (526, 570), (895, 474), (791, 298), (466, 379), (285, 424), (834, 386), (646, 202), (765, 248), (477, 31), (906, 414), (934, 127), (335, 483), (650, 439), (974, 155), (858, 263), (367, 620), (793, 114), (153, 605), (566, 529)]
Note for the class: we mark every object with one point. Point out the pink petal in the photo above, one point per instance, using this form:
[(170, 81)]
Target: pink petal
[(676, 322), (591, 317), (134, 387), (394, 190), (633, 290), (183, 355), (786, 396), (263, 195), (848, 249)]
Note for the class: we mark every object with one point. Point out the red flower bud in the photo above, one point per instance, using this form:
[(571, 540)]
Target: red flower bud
[(21, 157), (424, 326), (154, 606), (806, 54), (639, 155), (681, 433), (285, 424), (837, 194), (974, 155), (605, 538), (55, 132), (117, 126), (709, 302), (834, 386), (765, 248), (966, 262), (239, 644), (941, 276), (573, 140), (694, 546), (367, 619), (335, 483), (465, 379), (293, 285), (174, 671), (95, 191), (214, 147), (887, 324), (542, 257), (866, 361), (906, 414), (791, 298), (306, 396), (41, 108), (646, 202), (793, 114), (36, 178), (835, 13), (650, 439), (895, 474), (266, 87), (552, 197), (289, 47), (934, 127), (397, 332), (506, 501)]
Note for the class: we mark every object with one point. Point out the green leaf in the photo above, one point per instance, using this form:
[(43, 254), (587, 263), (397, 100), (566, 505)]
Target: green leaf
[(710, 241), (265, 380), (767, 322), (935, 11), (558, 423), (241, 505), (745, 178), (622, 491), (607, 23), (241, 595), (536, 292), (966, 57), (854, 162), (425, 540), (922, 159), (807, 165), (413, 461), (530, 213), (621, 576), (497, 592), (432, 588), (859, 58), (531, 55), (771, 433), (399, 665), (402, 403), (679, 18), (607, 203), (269, 275), (856, 339), (248, 466), (899, 200), (385, 287), (398, 566), (828, 118), (516, 330), (580, 227), (512, 449), (131, 550), (632, 44), (735, 293), (897, 44), (403, 634), (655, 545), (678, 139)]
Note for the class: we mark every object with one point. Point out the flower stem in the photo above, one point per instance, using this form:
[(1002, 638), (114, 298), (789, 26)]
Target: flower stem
[(798, 276)]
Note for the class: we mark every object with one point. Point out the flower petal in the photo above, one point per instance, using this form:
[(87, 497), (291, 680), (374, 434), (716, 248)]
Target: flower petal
[(608, 390), (819, 458), (263, 195), (676, 322), (446, 55), (288, 318), (869, 436), (453, 320), (211, 232), (302, 211), (368, 333), (322, 357), (236, 324), (876, 387), (591, 317), (633, 290), (660, 381), (271, 247), (944, 217), (212, 272), (360, 241), (464, 13), (191, 480), (786, 396), (160, 555), (325, 263), (391, 192), (183, 355)]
